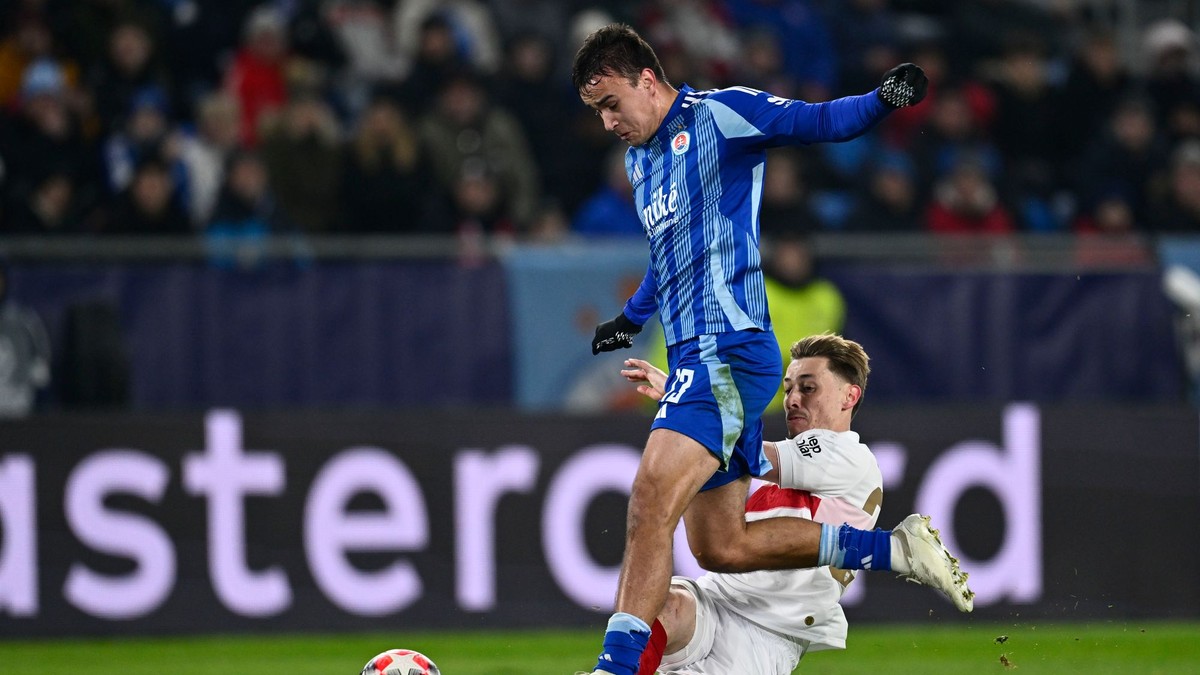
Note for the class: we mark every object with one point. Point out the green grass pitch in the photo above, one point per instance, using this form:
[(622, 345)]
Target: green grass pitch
[(1124, 646)]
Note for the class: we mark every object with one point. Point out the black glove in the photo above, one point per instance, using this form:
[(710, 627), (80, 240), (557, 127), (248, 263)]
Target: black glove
[(904, 85), (615, 334)]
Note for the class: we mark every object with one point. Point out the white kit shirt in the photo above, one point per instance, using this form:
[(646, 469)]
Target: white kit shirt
[(831, 478)]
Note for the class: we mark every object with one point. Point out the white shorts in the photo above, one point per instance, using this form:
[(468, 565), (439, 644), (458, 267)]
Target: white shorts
[(726, 643)]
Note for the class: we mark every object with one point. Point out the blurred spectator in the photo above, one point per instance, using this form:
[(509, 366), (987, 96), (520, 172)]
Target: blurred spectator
[(146, 132), (1129, 157), (549, 224), (465, 125), (1183, 121), (584, 143), (966, 201), (257, 76), (44, 140), (130, 67), (981, 30), (888, 202), (149, 205), (532, 92), (546, 19), (804, 37), (785, 206), (245, 202), (701, 29), (866, 35), (364, 31), (1179, 213), (87, 25), (610, 211), (28, 40), (200, 41), (206, 152), (680, 66), (1170, 52), (435, 58), (1024, 131), (310, 36), (470, 22), (302, 148), (802, 302), (51, 207), (479, 204), (761, 64), (837, 170), (479, 212), (24, 354), (1095, 84), (245, 215), (952, 131), (1107, 213), (1108, 234), (385, 185)]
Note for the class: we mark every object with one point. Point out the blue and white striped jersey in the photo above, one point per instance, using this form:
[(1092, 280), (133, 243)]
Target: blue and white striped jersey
[(698, 186)]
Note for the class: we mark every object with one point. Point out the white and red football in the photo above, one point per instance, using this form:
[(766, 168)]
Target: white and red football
[(401, 662)]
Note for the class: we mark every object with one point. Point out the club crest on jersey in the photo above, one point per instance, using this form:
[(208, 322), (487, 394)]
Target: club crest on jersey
[(681, 142)]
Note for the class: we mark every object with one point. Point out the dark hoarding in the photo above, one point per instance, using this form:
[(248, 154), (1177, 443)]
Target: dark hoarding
[(321, 520)]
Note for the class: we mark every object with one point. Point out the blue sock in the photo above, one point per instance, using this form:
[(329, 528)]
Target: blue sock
[(624, 643), (850, 548)]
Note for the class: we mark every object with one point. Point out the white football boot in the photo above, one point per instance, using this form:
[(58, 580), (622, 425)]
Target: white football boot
[(930, 561)]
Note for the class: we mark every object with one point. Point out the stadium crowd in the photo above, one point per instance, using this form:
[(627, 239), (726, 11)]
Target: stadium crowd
[(239, 119)]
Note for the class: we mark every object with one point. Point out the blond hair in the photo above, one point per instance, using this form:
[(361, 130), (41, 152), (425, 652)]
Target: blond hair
[(847, 359)]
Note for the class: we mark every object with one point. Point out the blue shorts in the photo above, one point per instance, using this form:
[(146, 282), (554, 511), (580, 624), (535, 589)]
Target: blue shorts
[(718, 388)]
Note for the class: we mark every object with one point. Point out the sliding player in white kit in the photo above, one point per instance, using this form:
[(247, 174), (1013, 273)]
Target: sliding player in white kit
[(764, 622)]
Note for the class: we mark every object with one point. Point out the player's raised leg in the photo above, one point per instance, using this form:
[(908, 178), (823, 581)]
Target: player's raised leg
[(913, 550), (722, 543), (672, 469)]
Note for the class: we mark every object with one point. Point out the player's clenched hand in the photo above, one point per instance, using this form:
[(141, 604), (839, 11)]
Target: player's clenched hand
[(615, 334), (904, 85), (653, 381)]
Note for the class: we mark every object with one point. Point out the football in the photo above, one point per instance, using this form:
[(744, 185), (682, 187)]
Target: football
[(400, 662)]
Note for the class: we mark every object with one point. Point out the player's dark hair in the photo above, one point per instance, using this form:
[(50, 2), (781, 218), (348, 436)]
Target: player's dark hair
[(614, 50), (847, 359)]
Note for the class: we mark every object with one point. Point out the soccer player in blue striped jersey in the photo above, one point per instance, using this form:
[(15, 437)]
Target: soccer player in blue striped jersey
[(696, 162)]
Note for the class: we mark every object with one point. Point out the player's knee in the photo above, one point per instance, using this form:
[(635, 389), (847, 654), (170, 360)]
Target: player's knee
[(714, 556)]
